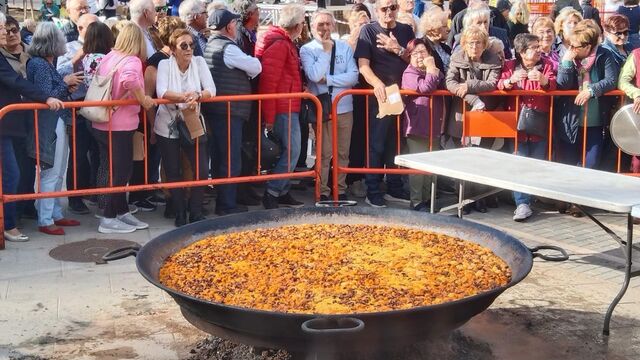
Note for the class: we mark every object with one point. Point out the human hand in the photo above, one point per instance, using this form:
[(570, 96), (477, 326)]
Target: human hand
[(389, 43), (462, 90), (323, 81), (380, 92), (327, 44), (518, 75), (148, 103), (583, 97), (570, 54), (74, 79), (54, 104)]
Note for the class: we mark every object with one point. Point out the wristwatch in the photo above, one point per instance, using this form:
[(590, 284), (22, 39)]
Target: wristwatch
[(401, 52)]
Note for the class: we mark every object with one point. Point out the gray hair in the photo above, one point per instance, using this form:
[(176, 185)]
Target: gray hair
[(244, 7), (47, 41), (137, 8), (291, 15), (189, 9), (472, 15), (319, 12), (3, 19)]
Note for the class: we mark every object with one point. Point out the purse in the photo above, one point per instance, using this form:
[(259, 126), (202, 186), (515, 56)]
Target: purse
[(190, 128), (99, 90), (309, 107), (533, 122)]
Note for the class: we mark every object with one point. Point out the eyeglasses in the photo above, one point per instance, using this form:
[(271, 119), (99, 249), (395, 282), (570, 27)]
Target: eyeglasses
[(476, 43), (620, 33), (13, 30), (83, 8), (162, 9), (185, 46), (578, 47), (420, 52), (391, 8)]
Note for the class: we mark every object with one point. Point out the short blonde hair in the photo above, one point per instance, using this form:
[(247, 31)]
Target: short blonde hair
[(291, 15), (586, 32), (166, 26), (407, 18), (564, 15), (131, 41), (474, 32), (524, 9), (355, 16), (542, 22), (432, 20)]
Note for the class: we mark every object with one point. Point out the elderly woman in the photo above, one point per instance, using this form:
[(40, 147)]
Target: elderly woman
[(529, 71), (518, 20), (14, 126), (125, 63), (631, 10), (280, 74), (480, 17), (185, 79), (421, 129), (543, 28), (48, 43), (564, 24), (473, 69), (592, 70), (616, 36), (317, 62), (435, 27)]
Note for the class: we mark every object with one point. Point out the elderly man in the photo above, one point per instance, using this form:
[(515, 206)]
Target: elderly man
[(194, 14), (281, 74), (248, 25), (70, 63), (232, 70), (380, 52), (479, 14), (497, 20), (162, 10), (330, 69), (75, 8), (143, 13)]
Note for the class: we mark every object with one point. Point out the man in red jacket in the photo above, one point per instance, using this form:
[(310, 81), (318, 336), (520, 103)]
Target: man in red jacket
[(281, 75)]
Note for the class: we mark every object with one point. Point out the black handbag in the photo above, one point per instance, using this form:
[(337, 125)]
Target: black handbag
[(308, 107), (533, 122), (184, 134)]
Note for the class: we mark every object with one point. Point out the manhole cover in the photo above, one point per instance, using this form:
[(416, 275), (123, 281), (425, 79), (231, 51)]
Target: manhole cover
[(90, 250)]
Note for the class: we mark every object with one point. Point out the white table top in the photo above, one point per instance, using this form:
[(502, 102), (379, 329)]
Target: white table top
[(594, 188)]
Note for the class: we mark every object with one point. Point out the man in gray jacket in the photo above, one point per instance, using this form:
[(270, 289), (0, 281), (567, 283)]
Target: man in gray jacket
[(232, 71)]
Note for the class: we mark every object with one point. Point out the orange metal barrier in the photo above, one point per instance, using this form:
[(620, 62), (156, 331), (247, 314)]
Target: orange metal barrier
[(315, 173), (501, 124)]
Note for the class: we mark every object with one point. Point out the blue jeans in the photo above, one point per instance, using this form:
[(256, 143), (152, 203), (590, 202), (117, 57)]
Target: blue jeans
[(383, 144), (283, 128), (571, 154), (10, 179), (51, 179), (536, 150), (226, 199)]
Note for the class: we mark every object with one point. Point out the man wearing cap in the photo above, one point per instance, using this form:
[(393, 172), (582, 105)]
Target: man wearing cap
[(232, 71)]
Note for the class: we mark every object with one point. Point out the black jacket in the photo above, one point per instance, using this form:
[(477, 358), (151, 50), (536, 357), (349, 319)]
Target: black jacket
[(12, 85)]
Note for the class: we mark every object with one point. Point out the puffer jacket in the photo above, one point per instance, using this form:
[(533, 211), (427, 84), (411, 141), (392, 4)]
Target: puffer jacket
[(482, 77), (280, 72)]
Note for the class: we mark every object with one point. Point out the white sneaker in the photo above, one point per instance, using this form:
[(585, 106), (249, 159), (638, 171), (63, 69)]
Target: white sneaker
[(133, 221), (523, 212), (114, 226)]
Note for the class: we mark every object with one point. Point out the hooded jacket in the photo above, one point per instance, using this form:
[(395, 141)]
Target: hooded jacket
[(280, 72)]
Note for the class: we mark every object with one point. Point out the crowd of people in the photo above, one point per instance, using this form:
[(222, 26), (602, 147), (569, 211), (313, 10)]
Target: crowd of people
[(216, 49)]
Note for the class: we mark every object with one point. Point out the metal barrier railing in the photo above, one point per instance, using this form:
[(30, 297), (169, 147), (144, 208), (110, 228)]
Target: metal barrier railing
[(314, 173)]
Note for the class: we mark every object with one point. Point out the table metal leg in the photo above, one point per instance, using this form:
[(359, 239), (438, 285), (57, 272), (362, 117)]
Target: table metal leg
[(434, 186), (460, 199), (627, 276)]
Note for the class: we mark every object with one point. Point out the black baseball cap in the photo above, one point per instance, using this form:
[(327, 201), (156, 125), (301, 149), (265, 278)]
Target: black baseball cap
[(221, 18)]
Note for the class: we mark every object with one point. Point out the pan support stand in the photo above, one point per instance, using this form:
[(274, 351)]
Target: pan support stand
[(627, 249)]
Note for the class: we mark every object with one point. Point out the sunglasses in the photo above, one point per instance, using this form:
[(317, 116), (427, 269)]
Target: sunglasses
[(162, 8), (389, 8), (185, 46), (620, 33), (13, 30)]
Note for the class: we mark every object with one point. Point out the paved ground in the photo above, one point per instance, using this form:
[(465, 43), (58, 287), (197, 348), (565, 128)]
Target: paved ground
[(63, 310)]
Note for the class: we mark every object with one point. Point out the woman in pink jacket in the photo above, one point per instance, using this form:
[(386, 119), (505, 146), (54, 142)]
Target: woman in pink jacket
[(125, 61)]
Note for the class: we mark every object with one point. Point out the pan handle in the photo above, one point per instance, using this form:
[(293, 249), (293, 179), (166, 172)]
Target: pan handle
[(332, 326), (121, 253), (562, 257)]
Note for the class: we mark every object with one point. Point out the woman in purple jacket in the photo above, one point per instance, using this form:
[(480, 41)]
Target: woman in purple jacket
[(422, 116)]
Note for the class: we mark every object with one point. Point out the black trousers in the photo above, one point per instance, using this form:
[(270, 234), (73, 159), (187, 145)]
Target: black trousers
[(122, 164), (87, 159), (170, 152)]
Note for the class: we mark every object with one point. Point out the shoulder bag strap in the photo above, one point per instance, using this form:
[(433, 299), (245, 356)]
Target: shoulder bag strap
[(333, 61)]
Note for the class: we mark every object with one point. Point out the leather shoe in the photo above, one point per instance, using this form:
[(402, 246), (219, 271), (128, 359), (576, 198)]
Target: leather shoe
[(51, 230), (236, 210), (480, 206), (196, 218), (181, 219), (66, 222)]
